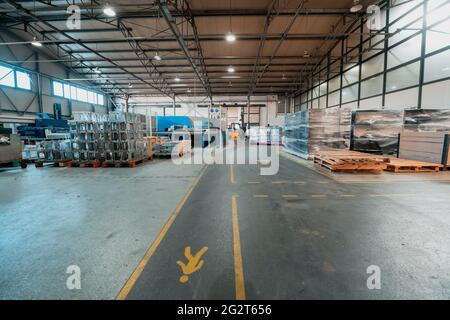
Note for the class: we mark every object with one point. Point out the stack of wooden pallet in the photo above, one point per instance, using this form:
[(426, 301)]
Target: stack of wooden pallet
[(345, 160)]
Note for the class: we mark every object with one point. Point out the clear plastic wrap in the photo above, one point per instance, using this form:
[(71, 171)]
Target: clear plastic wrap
[(308, 132), (376, 131)]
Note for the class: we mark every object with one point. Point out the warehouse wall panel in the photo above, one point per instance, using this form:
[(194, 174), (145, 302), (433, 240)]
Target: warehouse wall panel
[(410, 67)]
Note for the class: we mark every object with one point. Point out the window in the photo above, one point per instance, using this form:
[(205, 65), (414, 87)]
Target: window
[(82, 95), (350, 94), (405, 52), (58, 89), (7, 76), (23, 80), (437, 66), (404, 77), (67, 91), (100, 99), (92, 97), (372, 87)]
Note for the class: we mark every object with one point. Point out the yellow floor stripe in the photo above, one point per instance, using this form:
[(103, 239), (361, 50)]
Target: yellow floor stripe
[(232, 174), (253, 182), (347, 195), (318, 195), (260, 196), (140, 267), (289, 196), (238, 266)]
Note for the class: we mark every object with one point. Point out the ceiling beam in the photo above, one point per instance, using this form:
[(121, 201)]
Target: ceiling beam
[(170, 20)]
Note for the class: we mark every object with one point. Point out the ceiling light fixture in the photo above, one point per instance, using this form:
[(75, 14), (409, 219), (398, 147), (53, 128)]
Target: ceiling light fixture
[(356, 6), (36, 43), (130, 85), (97, 70), (188, 90), (230, 37), (177, 79), (231, 69), (109, 11), (306, 54), (157, 57)]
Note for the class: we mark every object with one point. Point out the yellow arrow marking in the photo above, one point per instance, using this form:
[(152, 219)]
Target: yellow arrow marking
[(193, 265)]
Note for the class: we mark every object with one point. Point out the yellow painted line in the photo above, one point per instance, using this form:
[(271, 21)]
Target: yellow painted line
[(123, 293), (232, 174), (238, 266), (347, 195), (300, 182), (377, 195), (253, 182), (260, 196), (279, 182), (323, 182), (289, 196), (318, 196)]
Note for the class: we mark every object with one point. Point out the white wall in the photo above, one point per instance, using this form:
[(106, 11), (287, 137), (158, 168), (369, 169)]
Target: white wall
[(189, 106)]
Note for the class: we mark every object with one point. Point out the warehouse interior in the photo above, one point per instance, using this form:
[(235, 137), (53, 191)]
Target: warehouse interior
[(224, 149)]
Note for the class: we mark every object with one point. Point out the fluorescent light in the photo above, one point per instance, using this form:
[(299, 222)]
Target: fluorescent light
[(157, 57), (130, 85), (177, 79), (109, 11), (231, 69), (36, 43), (97, 70), (188, 90), (230, 37)]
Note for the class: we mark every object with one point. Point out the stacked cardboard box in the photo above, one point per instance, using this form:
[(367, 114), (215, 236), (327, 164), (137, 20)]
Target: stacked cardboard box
[(308, 132)]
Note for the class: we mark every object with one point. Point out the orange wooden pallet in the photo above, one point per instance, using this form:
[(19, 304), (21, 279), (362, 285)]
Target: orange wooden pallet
[(410, 166)]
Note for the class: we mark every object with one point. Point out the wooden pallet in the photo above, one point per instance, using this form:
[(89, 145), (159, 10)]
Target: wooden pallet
[(340, 165), (123, 164), (61, 164), (350, 161), (410, 166), (347, 154), (85, 164)]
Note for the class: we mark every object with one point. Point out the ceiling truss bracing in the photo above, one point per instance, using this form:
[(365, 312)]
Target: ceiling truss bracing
[(183, 8), (268, 55)]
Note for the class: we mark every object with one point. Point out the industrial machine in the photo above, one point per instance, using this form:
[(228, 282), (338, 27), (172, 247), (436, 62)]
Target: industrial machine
[(10, 147)]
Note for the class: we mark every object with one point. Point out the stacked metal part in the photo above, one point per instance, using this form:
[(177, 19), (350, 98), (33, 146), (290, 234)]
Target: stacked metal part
[(308, 132), (87, 135), (124, 138), (112, 138), (54, 151)]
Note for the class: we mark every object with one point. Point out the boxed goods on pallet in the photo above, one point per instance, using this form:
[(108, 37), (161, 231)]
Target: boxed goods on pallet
[(376, 131), (310, 131), (428, 120)]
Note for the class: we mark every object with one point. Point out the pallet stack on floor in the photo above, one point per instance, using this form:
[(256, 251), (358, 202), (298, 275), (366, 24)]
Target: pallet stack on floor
[(353, 161)]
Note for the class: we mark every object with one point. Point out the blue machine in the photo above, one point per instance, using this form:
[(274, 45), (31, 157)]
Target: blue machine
[(167, 124)]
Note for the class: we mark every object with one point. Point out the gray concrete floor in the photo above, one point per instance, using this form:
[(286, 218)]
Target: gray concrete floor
[(102, 220), (304, 233)]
